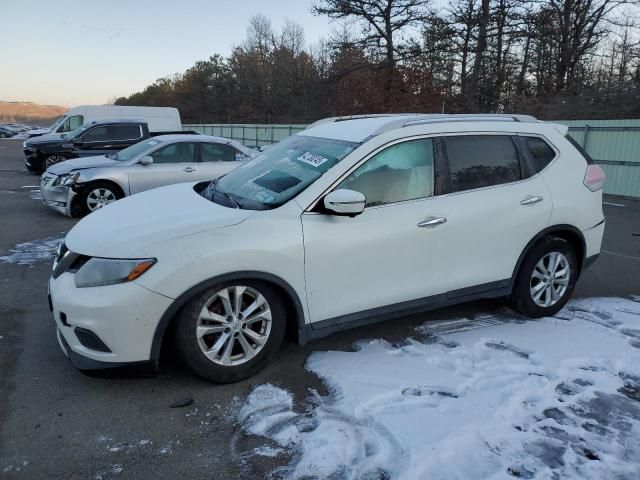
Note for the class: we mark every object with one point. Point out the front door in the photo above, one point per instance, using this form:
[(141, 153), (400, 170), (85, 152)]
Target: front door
[(389, 254), (174, 163)]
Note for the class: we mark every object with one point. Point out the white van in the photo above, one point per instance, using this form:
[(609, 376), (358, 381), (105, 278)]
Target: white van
[(159, 119)]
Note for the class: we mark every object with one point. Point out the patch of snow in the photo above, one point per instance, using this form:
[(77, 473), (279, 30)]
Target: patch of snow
[(491, 397), (267, 451), (35, 251)]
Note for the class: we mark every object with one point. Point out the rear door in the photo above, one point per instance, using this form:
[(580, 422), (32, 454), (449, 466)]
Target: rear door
[(217, 159), (173, 163), (494, 206)]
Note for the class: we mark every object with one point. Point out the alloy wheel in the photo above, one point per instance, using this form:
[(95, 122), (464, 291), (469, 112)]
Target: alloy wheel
[(550, 279), (52, 160), (100, 197), (234, 325)]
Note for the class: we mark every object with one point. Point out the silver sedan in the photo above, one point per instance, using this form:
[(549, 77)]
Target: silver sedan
[(83, 185)]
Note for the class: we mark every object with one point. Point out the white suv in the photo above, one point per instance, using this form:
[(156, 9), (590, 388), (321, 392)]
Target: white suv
[(349, 222)]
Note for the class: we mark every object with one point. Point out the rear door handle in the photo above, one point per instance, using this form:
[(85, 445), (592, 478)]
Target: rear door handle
[(189, 169), (432, 222), (531, 199)]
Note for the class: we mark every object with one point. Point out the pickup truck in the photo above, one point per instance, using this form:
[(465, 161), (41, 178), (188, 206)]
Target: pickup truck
[(89, 140)]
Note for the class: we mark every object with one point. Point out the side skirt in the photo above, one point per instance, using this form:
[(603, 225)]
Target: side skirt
[(323, 328)]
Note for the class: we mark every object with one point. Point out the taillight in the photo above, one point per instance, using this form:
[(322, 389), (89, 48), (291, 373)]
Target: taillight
[(594, 178)]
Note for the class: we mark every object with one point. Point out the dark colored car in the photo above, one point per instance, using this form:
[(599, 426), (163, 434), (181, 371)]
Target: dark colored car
[(96, 138)]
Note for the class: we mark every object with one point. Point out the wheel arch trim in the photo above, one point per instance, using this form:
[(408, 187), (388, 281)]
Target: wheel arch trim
[(560, 228), (180, 301)]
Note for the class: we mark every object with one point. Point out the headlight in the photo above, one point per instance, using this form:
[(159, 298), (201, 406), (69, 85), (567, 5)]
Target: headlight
[(66, 180), (105, 271)]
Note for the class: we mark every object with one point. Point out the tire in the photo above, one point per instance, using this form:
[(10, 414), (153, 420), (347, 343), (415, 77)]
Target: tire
[(541, 275), (98, 194), (52, 160), (228, 362)]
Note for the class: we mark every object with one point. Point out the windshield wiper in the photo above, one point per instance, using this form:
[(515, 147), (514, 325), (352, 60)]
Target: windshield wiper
[(227, 195)]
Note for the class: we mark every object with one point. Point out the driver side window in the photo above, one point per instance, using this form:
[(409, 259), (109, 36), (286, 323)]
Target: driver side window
[(71, 123), (401, 172)]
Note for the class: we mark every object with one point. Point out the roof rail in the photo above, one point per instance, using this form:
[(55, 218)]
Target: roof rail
[(361, 116), (441, 118)]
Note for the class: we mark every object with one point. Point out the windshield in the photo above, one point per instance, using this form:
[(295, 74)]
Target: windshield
[(134, 150), (279, 173), (57, 123)]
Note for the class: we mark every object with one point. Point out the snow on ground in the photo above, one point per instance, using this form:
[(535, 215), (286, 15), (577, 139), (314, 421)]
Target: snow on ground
[(491, 397), (35, 251)]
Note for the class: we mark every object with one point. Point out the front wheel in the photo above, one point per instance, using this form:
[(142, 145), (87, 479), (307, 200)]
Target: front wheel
[(546, 278), (230, 332), (53, 159), (97, 195)]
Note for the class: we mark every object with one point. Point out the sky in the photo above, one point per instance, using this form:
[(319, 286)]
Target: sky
[(76, 52)]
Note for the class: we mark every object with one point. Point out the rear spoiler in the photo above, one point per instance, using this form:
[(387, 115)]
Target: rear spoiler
[(563, 129)]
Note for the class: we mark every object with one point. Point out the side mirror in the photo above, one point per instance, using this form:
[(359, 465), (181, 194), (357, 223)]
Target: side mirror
[(77, 142), (345, 202), (146, 160)]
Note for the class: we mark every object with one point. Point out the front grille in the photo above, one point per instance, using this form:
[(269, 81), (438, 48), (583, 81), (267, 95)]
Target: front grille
[(61, 251), (68, 261), (78, 263)]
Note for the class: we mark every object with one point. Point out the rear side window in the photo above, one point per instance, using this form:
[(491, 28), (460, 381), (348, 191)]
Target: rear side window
[(217, 152), (477, 161), (124, 132), (540, 152), (97, 134), (582, 151)]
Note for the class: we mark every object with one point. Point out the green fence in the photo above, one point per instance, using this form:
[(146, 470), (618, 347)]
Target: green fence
[(614, 144), (251, 135)]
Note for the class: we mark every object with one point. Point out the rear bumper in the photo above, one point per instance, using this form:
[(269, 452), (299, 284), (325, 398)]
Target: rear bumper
[(593, 239)]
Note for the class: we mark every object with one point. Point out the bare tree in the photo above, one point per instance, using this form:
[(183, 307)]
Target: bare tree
[(382, 22)]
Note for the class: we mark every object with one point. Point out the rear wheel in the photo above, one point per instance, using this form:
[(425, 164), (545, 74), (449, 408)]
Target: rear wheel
[(546, 278), (99, 194), (231, 331)]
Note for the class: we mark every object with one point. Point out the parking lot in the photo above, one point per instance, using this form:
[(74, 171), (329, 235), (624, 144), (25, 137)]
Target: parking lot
[(56, 422)]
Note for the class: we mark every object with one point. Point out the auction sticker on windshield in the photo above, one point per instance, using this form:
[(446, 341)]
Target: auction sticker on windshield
[(312, 159)]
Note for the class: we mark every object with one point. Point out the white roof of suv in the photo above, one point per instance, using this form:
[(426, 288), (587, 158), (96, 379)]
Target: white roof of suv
[(363, 127)]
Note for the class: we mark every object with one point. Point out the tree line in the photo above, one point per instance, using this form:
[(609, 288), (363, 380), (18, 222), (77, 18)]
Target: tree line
[(549, 58)]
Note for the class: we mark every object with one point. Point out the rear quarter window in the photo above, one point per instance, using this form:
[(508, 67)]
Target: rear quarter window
[(540, 152)]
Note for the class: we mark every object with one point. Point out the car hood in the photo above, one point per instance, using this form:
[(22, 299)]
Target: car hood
[(48, 138), (67, 166), (137, 222)]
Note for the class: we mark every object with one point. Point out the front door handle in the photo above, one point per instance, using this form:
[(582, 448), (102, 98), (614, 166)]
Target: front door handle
[(432, 222), (531, 199), (189, 169)]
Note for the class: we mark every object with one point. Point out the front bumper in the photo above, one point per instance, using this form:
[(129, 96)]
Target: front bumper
[(124, 317), (59, 198), (32, 160)]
